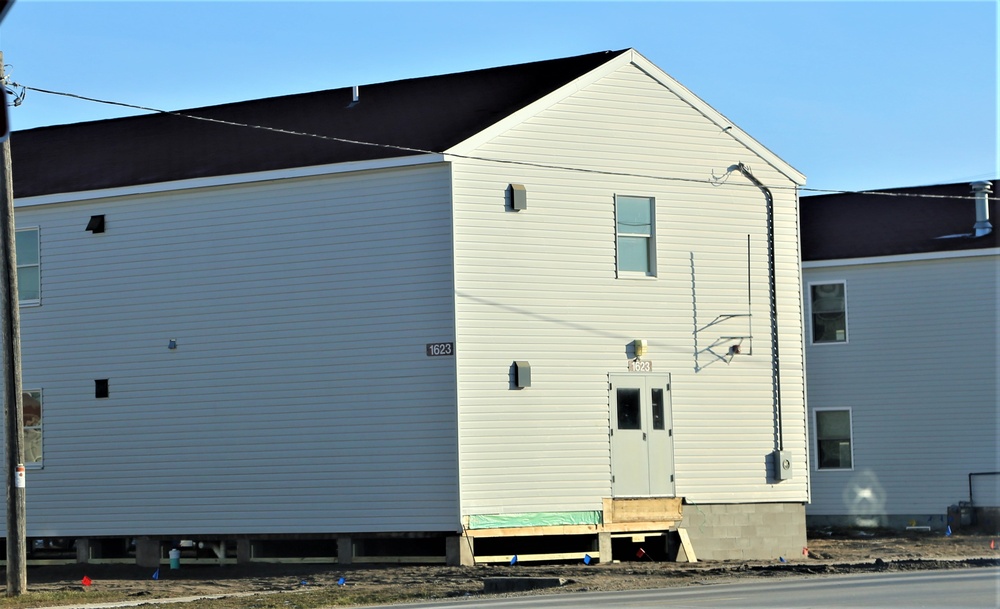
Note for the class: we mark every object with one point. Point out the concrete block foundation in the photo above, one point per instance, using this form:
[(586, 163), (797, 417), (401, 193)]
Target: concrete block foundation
[(746, 531)]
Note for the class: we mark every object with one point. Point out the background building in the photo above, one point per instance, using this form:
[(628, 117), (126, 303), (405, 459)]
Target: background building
[(902, 299)]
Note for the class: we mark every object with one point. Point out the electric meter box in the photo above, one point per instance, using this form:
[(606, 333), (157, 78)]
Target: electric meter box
[(782, 465)]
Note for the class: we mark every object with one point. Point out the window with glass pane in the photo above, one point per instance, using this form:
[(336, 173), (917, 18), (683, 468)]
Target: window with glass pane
[(636, 252), (29, 286), (32, 401), (658, 423), (829, 313), (833, 439), (628, 409)]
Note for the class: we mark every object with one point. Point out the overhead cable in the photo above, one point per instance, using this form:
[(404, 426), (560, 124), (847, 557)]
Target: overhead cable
[(715, 181)]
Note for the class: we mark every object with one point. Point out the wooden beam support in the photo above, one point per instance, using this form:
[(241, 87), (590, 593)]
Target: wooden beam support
[(506, 558), (641, 509)]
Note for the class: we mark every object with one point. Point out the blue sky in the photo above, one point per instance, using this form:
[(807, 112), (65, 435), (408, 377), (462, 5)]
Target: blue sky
[(856, 95)]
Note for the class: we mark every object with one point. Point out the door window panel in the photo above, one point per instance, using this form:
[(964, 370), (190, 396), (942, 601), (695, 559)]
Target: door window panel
[(628, 409), (657, 395)]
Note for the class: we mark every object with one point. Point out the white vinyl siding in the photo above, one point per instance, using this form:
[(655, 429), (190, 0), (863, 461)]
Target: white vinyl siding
[(299, 398), (541, 285), (920, 377)]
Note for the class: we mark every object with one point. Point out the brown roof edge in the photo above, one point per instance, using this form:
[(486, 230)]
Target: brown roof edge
[(430, 113), (895, 221)]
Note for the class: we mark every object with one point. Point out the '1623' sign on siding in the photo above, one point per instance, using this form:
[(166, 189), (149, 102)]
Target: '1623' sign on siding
[(440, 349), (638, 365)]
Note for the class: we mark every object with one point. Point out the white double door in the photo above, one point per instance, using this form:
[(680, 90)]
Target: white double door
[(642, 448)]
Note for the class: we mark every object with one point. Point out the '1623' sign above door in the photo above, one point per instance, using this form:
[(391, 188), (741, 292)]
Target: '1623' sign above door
[(638, 365)]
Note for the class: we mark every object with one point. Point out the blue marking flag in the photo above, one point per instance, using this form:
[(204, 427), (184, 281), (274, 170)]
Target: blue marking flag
[(156, 574), (586, 559), (341, 581), (782, 559), (947, 532), (513, 561)]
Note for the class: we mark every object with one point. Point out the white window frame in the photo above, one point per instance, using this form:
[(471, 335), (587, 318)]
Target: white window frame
[(41, 431), (850, 420), (36, 265), (847, 321), (650, 237)]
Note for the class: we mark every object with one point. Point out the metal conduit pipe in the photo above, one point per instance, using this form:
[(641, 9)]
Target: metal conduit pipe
[(772, 293)]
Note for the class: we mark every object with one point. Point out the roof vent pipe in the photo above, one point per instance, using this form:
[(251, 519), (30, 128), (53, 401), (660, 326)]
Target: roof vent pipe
[(354, 95), (982, 192)]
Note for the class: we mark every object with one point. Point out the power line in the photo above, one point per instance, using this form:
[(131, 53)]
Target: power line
[(361, 142), (714, 181)]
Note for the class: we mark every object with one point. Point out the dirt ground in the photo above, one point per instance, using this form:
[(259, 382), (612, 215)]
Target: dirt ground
[(848, 553)]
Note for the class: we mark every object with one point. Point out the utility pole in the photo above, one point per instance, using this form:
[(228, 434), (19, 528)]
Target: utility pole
[(10, 336)]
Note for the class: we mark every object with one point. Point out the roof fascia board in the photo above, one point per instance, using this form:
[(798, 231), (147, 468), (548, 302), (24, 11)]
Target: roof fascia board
[(718, 118), (470, 144), (841, 262), (231, 179)]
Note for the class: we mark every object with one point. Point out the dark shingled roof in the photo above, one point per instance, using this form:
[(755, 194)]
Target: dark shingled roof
[(432, 113), (859, 225)]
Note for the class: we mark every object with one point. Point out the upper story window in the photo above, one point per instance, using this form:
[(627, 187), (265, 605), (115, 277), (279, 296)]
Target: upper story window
[(29, 276), (32, 402), (636, 236), (834, 444), (828, 304)]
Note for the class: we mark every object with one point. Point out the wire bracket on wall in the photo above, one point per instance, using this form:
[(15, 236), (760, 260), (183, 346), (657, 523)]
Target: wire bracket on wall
[(725, 347)]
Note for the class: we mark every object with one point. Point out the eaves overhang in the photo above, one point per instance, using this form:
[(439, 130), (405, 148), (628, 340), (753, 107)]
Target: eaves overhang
[(230, 180)]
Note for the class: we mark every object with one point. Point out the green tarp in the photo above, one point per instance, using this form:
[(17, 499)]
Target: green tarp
[(533, 519)]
